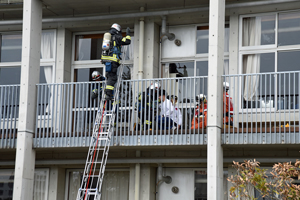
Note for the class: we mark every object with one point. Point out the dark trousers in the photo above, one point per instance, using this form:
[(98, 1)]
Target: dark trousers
[(145, 115), (164, 123), (111, 77)]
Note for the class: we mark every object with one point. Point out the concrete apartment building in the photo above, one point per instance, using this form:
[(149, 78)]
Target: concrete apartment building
[(50, 48)]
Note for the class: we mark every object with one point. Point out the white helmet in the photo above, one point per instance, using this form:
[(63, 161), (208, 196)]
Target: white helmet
[(226, 85), (154, 85), (96, 75), (200, 98), (116, 26)]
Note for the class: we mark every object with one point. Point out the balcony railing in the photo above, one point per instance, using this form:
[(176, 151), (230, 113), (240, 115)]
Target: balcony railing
[(262, 109), (9, 111), (266, 108), (65, 113)]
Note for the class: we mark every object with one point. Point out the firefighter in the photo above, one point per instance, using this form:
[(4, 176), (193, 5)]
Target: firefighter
[(200, 117), (148, 103), (97, 76), (227, 106), (112, 56)]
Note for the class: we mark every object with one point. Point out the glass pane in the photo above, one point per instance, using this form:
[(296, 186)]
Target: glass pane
[(7, 184), (40, 185), (288, 83), (115, 185), (288, 29), (11, 48), (10, 75), (201, 83), (258, 90), (259, 30), (47, 44), (185, 86), (202, 39), (85, 74), (200, 185), (45, 99), (88, 47)]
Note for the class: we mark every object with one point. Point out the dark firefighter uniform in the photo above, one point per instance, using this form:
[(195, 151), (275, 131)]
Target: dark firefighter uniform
[(112, 60), (148, 102)]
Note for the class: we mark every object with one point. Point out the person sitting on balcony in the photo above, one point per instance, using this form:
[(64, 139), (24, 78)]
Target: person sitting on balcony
[(200, 117), (227, 106), (164, 120), (177, 116)]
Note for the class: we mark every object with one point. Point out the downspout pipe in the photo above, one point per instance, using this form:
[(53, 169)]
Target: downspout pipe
[(141, 46), (164, 31), (160, 177)]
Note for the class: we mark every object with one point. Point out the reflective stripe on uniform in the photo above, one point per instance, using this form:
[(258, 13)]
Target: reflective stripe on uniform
[(109, 87), (148, 122), (111, 58), (126, 38)]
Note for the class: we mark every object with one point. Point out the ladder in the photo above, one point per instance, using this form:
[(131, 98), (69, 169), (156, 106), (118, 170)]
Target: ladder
[(92, 179)]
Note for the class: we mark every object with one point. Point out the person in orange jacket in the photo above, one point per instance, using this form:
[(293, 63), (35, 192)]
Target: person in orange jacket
[(227, 106), (200, 118)]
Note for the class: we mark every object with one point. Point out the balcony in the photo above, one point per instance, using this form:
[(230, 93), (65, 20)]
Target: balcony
[(263, 109)]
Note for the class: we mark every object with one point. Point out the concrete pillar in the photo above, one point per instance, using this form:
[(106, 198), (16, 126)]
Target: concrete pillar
[(215, 107), (233, 62), (151, 49), (147, 183), (31, 45), (63, 56), (56, 183)]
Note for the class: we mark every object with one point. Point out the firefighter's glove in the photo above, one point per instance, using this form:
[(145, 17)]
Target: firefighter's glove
[(94, 94), (128, 31)]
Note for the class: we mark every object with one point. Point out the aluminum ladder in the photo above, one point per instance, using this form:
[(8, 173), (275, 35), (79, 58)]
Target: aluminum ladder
[(92, 179)]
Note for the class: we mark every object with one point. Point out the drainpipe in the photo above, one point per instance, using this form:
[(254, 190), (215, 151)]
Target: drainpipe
[(164, 31), (141, 46), (160, 177)]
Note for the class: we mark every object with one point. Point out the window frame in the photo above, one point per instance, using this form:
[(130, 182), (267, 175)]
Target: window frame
[(273, 48), (43, 62), (67, 177), (87, 63)]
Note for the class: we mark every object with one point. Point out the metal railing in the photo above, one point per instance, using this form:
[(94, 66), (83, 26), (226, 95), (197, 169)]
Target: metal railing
[(265, 108), (9, 111), (65, 113)]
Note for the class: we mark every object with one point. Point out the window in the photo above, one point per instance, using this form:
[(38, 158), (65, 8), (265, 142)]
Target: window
[(115, 184), (269, 43), (89, 47), (201, 184), (40, 188)]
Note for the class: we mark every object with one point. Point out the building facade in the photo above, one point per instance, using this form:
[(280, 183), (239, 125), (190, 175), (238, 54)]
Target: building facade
[(50, 48)]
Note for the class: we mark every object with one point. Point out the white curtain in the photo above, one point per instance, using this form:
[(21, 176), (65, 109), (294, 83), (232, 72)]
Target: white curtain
[(251, 63), (40, 185), (115, 186), (47, 49), (74, 184)]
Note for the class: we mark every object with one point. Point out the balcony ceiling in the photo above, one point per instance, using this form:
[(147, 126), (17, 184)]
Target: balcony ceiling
[(12, 9)]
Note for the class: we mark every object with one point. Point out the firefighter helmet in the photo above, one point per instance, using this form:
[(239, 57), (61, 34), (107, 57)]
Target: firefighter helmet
[(155, 86), (201, 98), (117, 27), (96, 75), (226, 85)]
